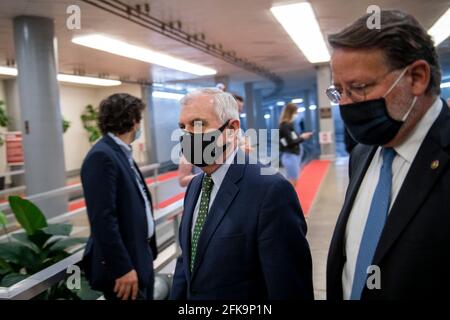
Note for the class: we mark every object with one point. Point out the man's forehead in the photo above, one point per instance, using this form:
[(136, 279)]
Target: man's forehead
[(350, 63)]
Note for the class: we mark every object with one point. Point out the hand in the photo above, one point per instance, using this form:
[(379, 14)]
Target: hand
[(127, 285), (306, 135)]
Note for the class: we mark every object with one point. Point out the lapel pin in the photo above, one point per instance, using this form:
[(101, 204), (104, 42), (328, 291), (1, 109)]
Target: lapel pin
[(435, 164)]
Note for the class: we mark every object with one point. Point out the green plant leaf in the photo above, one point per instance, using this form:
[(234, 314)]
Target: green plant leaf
[(24, 239), (3, 219), (11, 251), (5, 267), (67, 243), (62, 229), (12, 278), (27, 214)]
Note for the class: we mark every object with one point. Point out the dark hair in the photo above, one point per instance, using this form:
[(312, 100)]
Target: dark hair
[(402, 39), (238, 98), (119, 113)]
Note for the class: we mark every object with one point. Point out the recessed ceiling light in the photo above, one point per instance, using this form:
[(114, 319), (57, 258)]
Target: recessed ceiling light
[(125, 49), (441, 28), (301, 24)]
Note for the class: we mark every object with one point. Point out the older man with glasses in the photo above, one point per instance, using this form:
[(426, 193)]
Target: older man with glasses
[(392, 238)]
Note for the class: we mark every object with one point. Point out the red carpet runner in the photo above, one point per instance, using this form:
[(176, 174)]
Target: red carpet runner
[(309, 182)]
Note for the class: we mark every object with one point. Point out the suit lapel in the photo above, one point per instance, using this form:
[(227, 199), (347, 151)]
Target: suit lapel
[(188, 212), (419, 182), (225, 196)]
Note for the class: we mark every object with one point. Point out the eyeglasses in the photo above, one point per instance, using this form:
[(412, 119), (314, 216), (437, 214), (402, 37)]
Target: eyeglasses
[(356, 92)]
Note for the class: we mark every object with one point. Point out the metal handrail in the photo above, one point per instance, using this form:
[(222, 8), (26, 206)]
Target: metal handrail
[(11, 173), (44, 279)]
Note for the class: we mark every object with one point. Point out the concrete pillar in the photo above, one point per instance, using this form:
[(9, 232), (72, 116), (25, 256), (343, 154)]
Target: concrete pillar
[(40, 109), (149, 122), (249, 105), (326, 123)]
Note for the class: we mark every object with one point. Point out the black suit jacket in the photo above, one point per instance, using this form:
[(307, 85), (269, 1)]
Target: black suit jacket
[(414, 249), (252, 244), (118, 242)]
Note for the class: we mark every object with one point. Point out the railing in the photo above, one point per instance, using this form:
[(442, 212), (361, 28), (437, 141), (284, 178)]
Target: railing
[(166, 223), (44, 279)]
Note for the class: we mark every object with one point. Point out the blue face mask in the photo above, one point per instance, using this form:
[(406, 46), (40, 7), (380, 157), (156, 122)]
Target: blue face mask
[(137, 134), (369, 122)]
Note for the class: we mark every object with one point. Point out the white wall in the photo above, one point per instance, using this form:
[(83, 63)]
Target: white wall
[(73, 101)]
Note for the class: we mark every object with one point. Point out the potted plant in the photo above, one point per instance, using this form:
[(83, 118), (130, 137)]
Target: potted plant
[(38, 247), (89, 119)]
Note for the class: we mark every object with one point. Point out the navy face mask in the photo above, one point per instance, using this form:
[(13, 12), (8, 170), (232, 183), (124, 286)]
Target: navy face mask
[(201, 149), (369, 122)]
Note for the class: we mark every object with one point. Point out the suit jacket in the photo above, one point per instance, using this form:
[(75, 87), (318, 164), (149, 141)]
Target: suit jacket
[(118, 242), (413, 253), (252, 244)]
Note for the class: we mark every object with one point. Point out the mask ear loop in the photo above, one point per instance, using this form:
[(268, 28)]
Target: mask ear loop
[(396, 82), (410, 109)]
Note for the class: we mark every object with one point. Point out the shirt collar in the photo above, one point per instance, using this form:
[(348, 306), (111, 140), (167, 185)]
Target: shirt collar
[(409, 148), (218, 175), (125, 147)]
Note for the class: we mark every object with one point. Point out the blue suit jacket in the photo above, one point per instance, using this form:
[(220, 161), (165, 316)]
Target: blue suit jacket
[(118, 241), (252, 245)]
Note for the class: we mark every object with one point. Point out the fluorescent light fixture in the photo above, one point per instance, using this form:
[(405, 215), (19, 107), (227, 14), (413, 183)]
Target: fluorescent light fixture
[(243, 115), (441, 28), (312, 107), (301, 24), (157, 84), (127, 50), (280, 103), (167, 95), (267, 116), (445, 85), (301, 109), (70, 78), (88, 80), (297, 100), (8, 71)]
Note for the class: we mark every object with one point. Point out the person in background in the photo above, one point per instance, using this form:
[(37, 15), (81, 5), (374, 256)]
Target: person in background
[(186, 171), (243, 233), (118, 259), (392, 239), (290, 141)]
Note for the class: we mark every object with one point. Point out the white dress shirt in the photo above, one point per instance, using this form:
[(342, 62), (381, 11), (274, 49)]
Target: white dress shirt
[(148, 210), (217, 177), (406, 152)]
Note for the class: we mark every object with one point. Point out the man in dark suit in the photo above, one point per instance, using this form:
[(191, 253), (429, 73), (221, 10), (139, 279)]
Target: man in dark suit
[(243, 232), (392, 238), (119, 255)]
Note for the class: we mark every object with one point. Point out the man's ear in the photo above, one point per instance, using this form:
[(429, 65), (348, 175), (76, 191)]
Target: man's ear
[(420, 73)]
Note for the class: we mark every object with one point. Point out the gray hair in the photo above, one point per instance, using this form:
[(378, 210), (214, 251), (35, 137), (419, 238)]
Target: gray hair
[(224, 103)]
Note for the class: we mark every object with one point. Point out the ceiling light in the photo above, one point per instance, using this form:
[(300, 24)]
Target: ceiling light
[(297, 100), (302, 109), (312, 107), (301, 24), (267, 116), (243, 115), (167, 95), (88, 80), (280, 103), (8, 71), (124, 49), (441, 28), (70, 78)]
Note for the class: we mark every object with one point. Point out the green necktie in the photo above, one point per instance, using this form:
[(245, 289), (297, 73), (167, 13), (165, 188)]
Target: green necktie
[(207, 186)]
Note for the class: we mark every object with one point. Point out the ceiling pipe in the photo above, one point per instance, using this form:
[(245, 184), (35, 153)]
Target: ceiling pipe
[(173, 31)]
